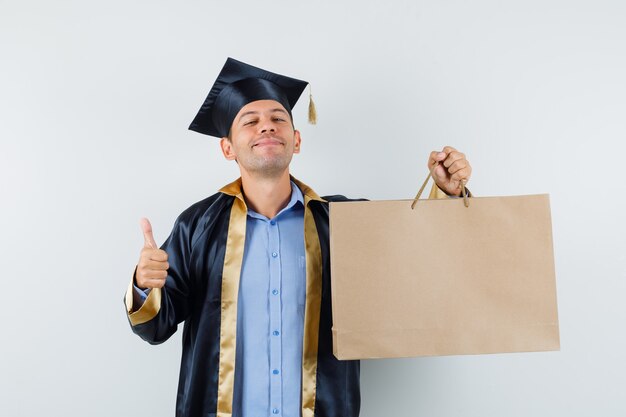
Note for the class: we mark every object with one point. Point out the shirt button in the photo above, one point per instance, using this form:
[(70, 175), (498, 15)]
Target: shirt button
[(275, 332), (275, 292), (272, 222), (275, 411), (274, 254), (275, 372)]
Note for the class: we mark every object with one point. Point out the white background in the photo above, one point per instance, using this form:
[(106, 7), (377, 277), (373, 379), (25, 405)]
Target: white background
[(95, 99)]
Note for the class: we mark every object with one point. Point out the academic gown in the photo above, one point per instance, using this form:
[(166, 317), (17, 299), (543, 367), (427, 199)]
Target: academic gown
[(205, 253)]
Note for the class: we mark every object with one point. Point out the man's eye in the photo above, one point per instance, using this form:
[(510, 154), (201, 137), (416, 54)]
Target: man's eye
[(249, 122), (278, 119)]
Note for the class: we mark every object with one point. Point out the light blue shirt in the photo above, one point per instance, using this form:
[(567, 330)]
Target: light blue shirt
[(270, 314)]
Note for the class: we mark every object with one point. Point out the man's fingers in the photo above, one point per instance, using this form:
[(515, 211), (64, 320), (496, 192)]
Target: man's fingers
[(439, 172), (154, 254), (153, 274), (462, 174), (457, 165), (151, 283), (156, 265), (435, 157), (452, 158), (148, 238), (447, 155)]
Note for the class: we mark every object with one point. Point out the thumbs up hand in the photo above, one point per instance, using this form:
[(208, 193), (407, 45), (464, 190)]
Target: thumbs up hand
[(153, 265)]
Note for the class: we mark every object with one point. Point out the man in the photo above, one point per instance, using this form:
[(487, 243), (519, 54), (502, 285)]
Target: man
[(248, 268)]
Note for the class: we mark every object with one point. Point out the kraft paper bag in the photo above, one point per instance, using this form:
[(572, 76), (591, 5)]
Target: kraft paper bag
[(442, 279)]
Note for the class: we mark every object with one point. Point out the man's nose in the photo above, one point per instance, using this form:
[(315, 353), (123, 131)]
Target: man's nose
[(267, 125)]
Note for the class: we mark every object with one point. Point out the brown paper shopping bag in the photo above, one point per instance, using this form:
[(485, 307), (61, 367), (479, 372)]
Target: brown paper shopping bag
[(442, 278)]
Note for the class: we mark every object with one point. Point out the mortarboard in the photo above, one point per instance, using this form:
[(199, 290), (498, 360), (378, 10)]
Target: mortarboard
[(239, 84)]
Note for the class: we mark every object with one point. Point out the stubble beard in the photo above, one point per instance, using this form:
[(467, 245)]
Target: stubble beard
[(267, 166)]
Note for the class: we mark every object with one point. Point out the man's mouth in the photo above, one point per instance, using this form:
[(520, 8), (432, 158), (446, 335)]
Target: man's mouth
[(267, 142)]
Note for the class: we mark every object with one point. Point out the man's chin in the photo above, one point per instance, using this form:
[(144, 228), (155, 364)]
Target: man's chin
[(269, 166)]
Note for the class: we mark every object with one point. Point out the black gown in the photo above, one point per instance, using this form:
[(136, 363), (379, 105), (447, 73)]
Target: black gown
[(205, 253)]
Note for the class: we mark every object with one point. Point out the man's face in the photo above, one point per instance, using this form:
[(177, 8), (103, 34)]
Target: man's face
[(263, 139)]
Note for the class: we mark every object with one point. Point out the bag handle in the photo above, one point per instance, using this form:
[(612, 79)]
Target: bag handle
[(430, 174)]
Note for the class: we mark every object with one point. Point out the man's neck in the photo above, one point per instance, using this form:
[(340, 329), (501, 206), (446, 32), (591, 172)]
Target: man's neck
[(267, 195)]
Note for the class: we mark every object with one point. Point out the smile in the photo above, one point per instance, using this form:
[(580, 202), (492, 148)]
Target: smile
[(267, 142)]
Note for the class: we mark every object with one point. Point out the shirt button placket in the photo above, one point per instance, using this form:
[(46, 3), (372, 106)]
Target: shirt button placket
[(275, 318)]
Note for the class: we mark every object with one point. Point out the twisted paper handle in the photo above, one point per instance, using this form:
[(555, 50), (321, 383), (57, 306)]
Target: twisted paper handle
[(430, 174)]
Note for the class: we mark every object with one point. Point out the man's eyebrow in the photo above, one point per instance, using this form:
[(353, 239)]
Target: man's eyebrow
[(247, 113), (277, 109)]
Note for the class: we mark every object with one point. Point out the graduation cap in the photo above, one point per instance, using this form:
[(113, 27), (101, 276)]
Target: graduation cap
[(239, 84)]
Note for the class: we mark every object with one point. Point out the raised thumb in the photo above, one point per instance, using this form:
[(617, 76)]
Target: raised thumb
[(148, 239)]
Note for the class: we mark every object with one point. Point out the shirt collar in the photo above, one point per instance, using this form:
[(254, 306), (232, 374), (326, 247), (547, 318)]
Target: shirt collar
[(234, 189), (296, 197)]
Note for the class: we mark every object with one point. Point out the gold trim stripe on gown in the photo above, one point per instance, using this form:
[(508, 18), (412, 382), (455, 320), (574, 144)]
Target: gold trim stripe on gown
[(233, 259)]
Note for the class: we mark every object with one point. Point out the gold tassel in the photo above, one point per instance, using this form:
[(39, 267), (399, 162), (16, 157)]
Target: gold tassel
[(312, 110)]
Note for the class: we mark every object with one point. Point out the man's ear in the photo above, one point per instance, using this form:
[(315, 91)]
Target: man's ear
[(227, 149), (297, 140)]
